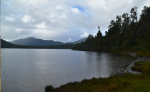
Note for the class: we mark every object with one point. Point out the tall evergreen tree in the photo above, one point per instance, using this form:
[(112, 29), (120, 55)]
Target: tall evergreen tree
[(134, 14)]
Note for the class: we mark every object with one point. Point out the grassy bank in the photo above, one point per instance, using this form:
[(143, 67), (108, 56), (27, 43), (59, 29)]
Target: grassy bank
[(118, 83), (140, 52)]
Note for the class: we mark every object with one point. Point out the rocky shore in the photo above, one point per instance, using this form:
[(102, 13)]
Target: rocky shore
[(128, 69)]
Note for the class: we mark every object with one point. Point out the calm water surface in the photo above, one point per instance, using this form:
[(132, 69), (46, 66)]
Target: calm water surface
[(30, 70)]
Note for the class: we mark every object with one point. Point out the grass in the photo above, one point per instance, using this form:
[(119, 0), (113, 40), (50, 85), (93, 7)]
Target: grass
[(142, 66), (118, 83)]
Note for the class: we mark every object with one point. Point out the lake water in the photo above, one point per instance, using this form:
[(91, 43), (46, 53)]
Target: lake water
[(30, 70)]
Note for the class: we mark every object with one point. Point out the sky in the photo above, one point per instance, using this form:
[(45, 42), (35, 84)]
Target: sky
[(61, 20)]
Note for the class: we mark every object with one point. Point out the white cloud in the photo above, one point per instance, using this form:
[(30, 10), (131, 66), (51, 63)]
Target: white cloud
[(59, 7), (69, 39), (59, 20), (10, 19), (18, 30), (63, 16), (75, 10), (84, 35), (26, 19), (41, 26)]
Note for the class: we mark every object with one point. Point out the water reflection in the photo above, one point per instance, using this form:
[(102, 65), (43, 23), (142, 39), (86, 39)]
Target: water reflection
[(98, 64), (104, 65), (32, 69)]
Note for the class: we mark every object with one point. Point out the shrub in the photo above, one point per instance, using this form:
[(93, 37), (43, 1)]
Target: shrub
[(49, 88)]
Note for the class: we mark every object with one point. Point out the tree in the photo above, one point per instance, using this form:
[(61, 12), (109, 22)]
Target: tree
[(118, 21), (105, 33), (99, 34), (145, 16), (112, 24), (124, 34), (134, 14), (126, 22)]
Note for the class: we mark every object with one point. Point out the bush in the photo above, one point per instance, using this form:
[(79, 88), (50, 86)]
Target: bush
[(49, 88)]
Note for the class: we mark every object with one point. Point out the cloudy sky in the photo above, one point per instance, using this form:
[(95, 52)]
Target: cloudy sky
[(61, 20)]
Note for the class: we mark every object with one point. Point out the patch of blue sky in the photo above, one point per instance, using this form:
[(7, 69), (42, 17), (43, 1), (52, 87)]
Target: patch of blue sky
[(80, 8), (15, 13), (18, 12), (87, 14), (83, 10), (7, 4)]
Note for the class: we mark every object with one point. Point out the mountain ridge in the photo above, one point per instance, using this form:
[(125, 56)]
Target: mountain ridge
[(5, 44), (31, 41)]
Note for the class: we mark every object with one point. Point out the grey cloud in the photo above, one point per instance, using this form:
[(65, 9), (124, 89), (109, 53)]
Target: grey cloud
[(61, 22)]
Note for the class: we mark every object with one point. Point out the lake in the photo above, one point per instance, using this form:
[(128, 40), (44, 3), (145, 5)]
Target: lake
[(30, 70)]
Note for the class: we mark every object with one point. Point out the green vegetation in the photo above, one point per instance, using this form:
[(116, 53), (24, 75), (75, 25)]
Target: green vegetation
[(118, 83), (49, 88), (125, 34), (142, 66)]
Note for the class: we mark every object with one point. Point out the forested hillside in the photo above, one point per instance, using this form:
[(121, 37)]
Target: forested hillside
[(31, 41), (5, 44), (125, 34)]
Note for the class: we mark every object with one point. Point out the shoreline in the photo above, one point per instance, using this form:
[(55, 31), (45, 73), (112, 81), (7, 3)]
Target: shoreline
[(128, 68), (131, 79)]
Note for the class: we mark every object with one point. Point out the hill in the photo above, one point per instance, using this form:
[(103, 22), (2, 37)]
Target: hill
[(39, 42), (5, 44), (35, 42), (79, 41)]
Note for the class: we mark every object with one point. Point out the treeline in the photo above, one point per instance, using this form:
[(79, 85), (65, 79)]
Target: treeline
[(125, 34), (5, 44)]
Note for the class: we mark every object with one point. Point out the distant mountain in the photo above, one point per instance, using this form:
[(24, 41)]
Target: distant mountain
[(5, 44), (79, 41), (35, 42), (39, 42)]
